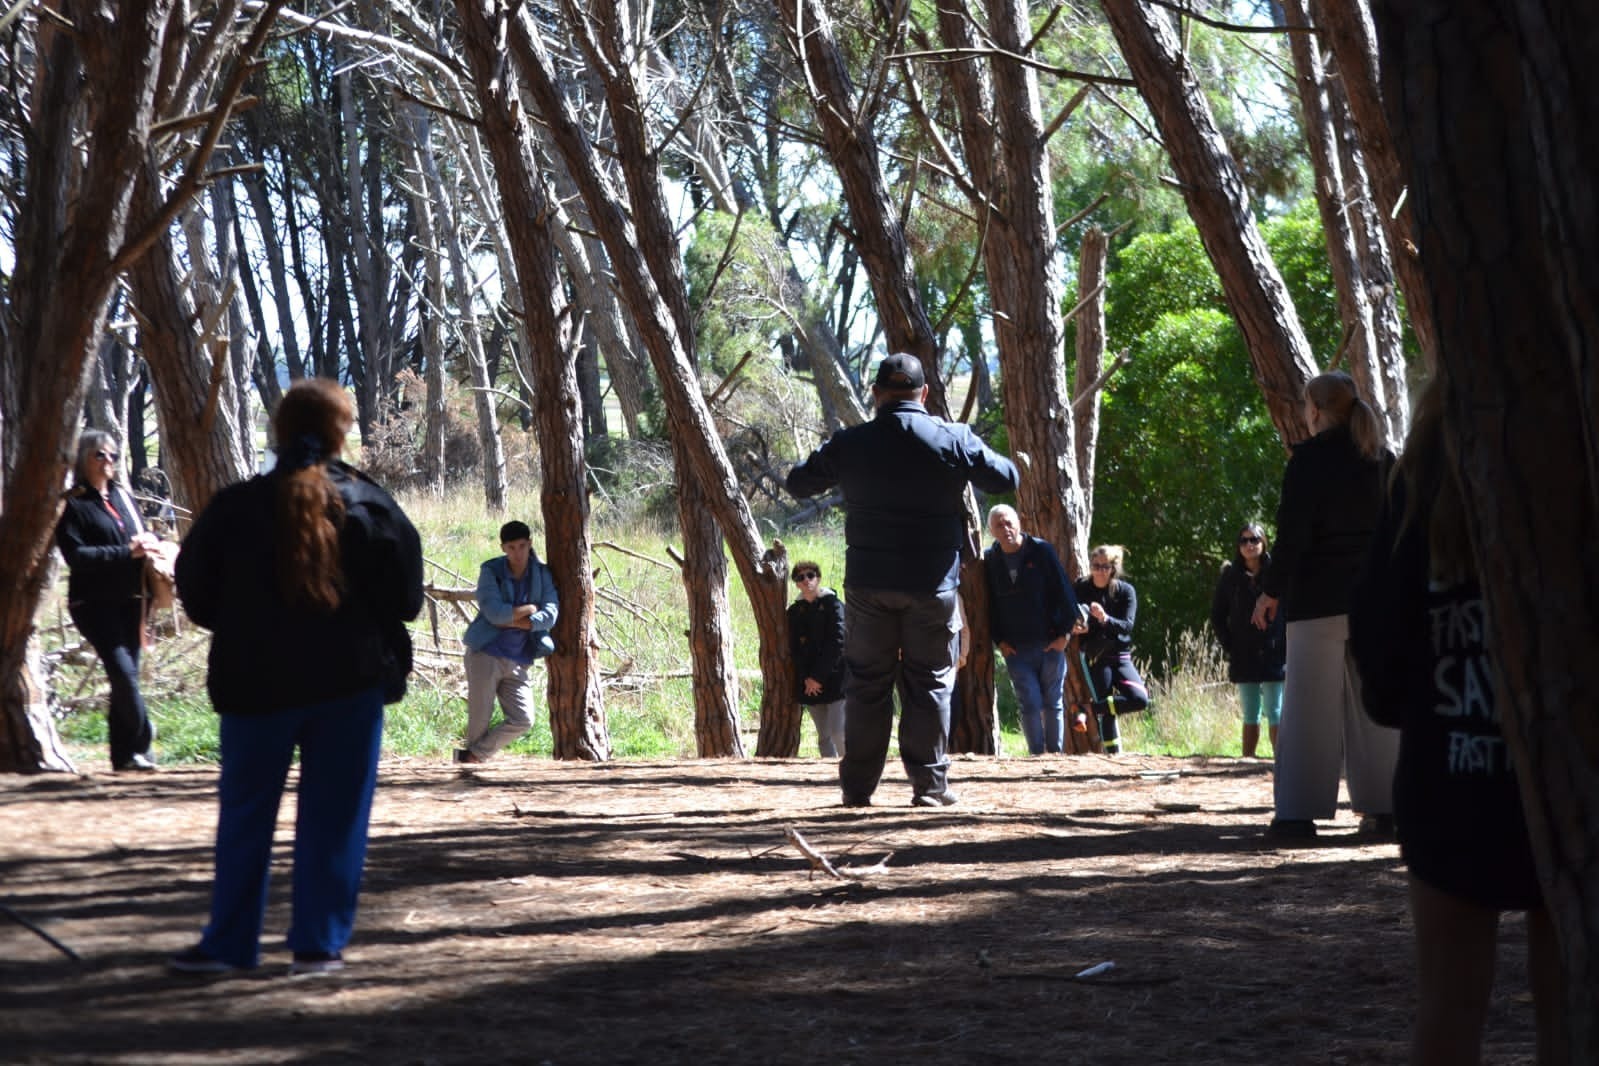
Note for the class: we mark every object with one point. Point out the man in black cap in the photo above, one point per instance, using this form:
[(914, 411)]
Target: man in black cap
[(904, 476), (516, 609)]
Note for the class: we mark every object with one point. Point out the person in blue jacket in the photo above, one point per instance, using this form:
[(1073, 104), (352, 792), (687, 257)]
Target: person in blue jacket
[(1031, 611), (904, 476), (517, 607)]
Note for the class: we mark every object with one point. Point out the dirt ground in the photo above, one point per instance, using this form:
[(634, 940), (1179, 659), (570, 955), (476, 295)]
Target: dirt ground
[(653, 912)]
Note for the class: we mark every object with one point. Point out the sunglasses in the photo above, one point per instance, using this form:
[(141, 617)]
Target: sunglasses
[(109, 457), (1249, 540), (806, 575), (1104, 567)]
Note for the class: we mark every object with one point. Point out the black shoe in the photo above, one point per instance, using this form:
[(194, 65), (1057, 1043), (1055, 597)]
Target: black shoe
[(856, 801), (935, 799), (139, 763), (195, 961), (1288, 832), (467, 755), (1377, 827), (309, 962)]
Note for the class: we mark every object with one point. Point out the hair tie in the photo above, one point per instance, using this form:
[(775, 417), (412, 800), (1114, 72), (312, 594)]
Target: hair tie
[(304, 451)]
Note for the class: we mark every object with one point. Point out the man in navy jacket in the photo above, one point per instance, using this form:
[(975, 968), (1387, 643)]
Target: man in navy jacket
[(1031, 611), (904, 475)]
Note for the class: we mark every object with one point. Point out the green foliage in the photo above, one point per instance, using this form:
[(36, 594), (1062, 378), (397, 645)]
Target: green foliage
[(1187, 450)]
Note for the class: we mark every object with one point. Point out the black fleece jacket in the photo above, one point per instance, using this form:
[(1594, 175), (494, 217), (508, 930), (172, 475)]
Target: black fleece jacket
[(269, 655), (1325, 520)]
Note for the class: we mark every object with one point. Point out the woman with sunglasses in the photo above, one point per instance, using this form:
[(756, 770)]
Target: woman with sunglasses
[(104, 545), (1254, 656), (816, 643), (1111, 607)]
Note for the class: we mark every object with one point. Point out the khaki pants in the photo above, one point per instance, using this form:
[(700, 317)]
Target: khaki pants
[(488, 676)]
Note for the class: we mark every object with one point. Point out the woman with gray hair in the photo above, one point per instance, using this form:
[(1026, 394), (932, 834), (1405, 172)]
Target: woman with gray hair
[(104, 545)]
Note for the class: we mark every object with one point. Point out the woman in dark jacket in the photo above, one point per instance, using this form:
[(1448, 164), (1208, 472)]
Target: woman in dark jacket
[(1418, 633), (305, 576), (1111, 604), (816, 643), (104, 546), (1254, 656), (1331, 490)]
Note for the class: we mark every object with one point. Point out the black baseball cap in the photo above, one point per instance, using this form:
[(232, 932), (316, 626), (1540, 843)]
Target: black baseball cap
[(899, 371)]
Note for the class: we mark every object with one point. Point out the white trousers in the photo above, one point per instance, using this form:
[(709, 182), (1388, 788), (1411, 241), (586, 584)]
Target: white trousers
[(1325, 728)]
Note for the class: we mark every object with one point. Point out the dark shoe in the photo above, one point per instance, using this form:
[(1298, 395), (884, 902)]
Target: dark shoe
[(1288, 832), (309, 962), (1377, 827), (467, 755), (856, 801), (197, 962), (139, 763), (935, 799)]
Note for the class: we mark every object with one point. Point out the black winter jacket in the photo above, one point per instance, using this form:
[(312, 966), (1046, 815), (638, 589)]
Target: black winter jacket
[(1325, 519), (1038, 606), (816, 643), (267, 655), (97, 551), (1115, 634), (904, 476), (1253, 655)]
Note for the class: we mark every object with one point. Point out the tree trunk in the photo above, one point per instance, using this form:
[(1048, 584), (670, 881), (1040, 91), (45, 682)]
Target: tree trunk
[(852, 146), (1346, 25), (1090, 320), (576, 701), (194, 387), (636, 255), (1218, 202), (1495, 107), (90, 112), (704, 570), (1333, 204), (417, 140)]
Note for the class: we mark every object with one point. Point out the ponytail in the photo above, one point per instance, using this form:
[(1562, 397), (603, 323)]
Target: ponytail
[(310, 424), (1335, 396)]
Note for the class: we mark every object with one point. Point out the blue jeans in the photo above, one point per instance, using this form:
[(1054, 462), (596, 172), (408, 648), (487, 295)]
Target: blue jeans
[(914, 639), (339, 742), (1039, 676)]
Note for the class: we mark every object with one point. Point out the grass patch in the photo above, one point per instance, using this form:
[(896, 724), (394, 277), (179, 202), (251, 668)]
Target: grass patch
[(640, 621)]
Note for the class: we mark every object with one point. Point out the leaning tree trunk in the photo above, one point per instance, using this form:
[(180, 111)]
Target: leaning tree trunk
[(577, 703), (1495, 105), (764, 571), (1335, 206), (417, 141), (1218, 202), (194, 388), (852, 146), (1346, 25)]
